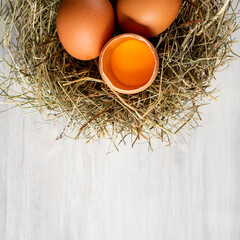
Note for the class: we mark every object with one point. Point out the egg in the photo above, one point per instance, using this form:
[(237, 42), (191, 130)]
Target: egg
[(128, 63), (147, 17), (84, 26)]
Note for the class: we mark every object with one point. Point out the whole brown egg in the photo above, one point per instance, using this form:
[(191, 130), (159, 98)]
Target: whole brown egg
[(84, 26), (147, 17)]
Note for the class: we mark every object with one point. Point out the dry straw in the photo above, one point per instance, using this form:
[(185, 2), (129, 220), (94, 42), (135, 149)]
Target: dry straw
[(191, 51)]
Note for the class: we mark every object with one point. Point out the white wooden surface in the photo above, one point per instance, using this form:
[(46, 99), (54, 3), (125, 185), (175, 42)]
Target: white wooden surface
[(65, 190)]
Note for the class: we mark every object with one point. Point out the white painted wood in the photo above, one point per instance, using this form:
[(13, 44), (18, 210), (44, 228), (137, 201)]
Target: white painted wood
[(66, 190)]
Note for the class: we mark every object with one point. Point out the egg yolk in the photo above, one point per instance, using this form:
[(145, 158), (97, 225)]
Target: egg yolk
[(132, 62)]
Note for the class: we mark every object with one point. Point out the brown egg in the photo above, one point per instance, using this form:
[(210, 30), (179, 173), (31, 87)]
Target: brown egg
[(128, 63), (147, 17), (84, 26)]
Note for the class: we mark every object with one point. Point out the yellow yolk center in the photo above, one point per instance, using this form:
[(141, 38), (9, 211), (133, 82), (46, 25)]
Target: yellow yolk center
[(132, 62)]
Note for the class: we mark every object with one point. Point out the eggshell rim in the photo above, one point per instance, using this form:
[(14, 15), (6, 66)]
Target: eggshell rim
[(155, 70)]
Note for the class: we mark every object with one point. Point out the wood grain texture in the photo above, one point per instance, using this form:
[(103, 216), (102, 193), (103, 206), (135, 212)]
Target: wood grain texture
[(66, 190)]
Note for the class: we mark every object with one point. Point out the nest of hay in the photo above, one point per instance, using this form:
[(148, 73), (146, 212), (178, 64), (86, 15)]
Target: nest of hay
[(190, 52)]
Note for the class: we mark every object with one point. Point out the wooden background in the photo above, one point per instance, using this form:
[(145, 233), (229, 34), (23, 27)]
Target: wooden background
[(66, 190)]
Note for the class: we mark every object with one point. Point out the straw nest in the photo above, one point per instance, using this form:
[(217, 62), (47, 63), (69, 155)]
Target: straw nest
[(190, 51)]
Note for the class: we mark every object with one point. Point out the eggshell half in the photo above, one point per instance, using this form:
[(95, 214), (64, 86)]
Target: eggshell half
[(106, 70)]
